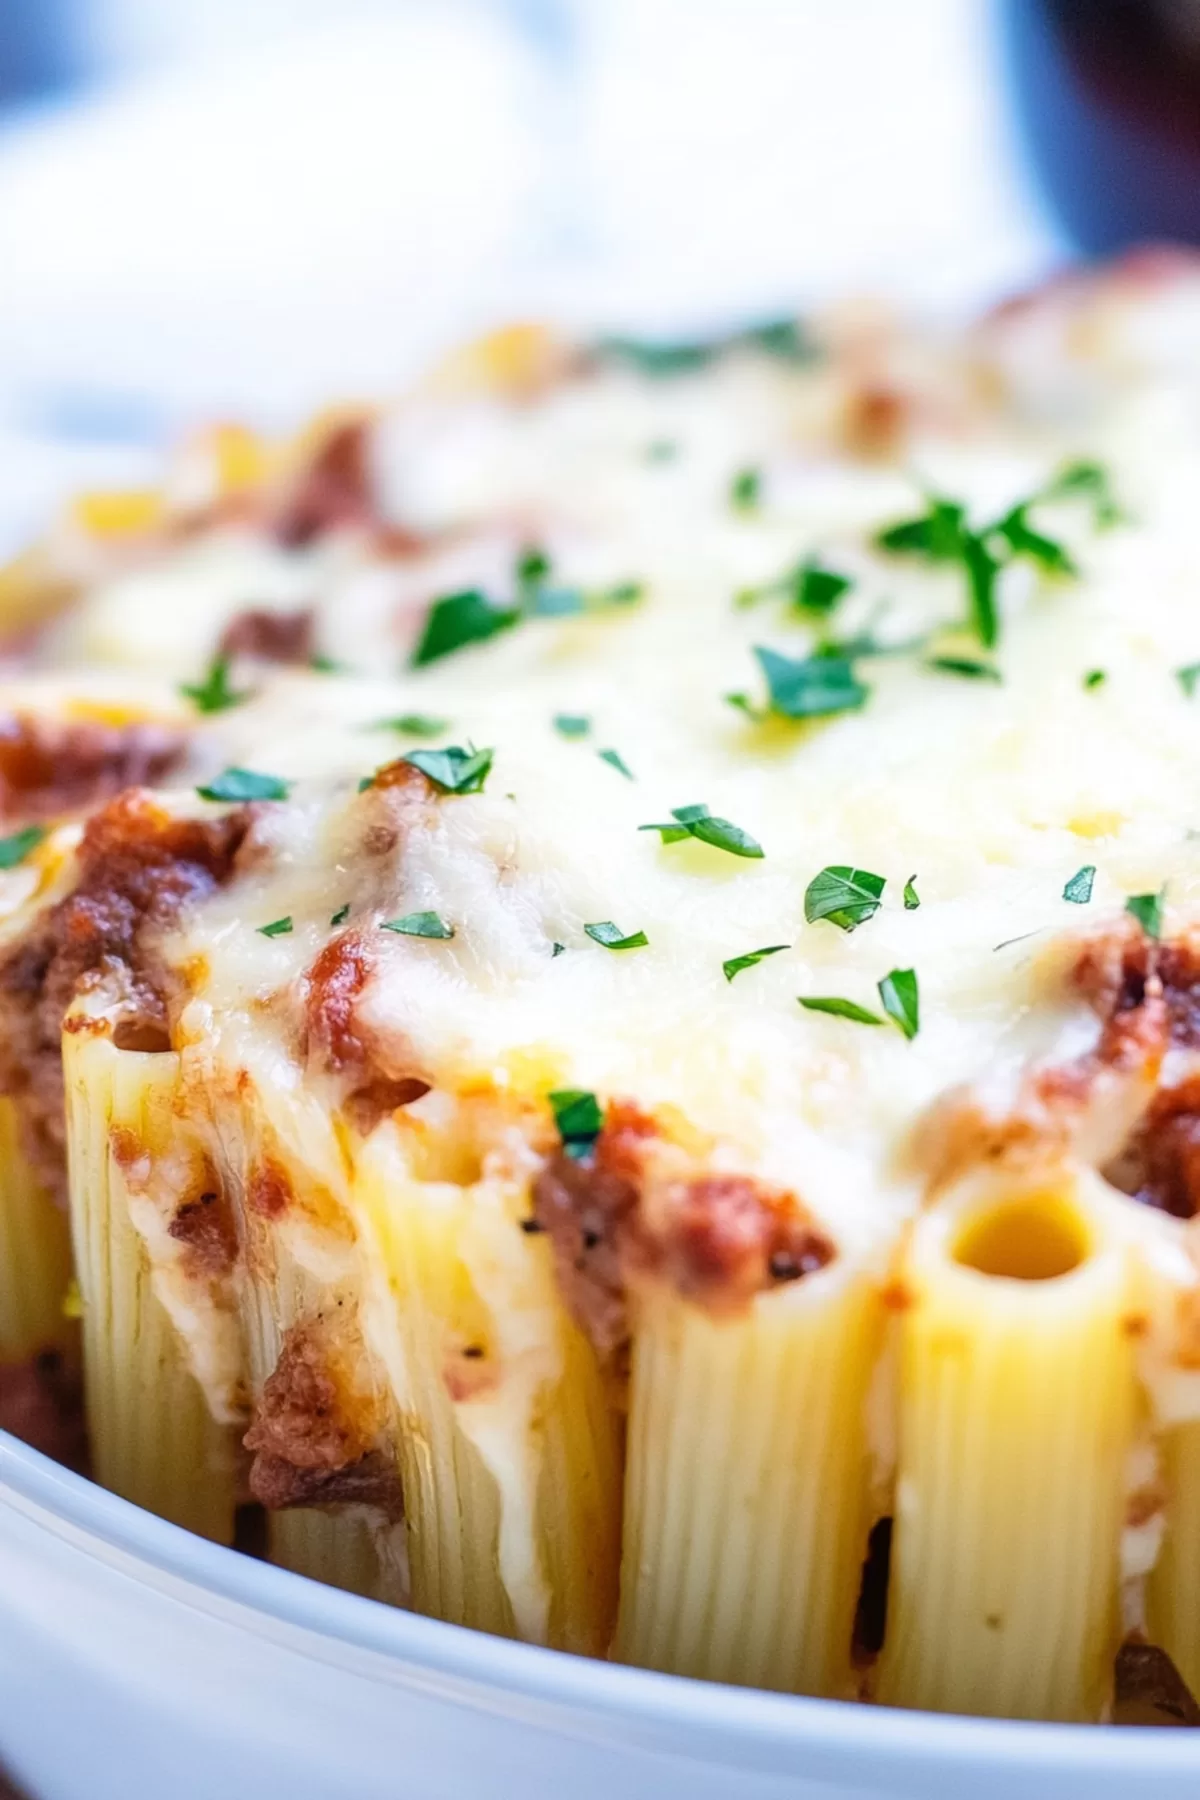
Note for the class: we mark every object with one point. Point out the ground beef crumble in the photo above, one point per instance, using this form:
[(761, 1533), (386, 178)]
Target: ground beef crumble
[(53, 767), (138, 868), (627, 1212), (272, 636)]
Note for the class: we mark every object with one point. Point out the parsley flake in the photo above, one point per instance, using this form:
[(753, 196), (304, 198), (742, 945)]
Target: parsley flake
[(615, 760), (1091, 481), (453, 770), (736, 964), (846, 897), (579, 1119), (245, 784), (839, 1009), (419, 924), (1093, 679), (1147, 909), (911, 897), (214, 694), (341, 915), (745, 490), (662, 358), (572, 725), (613, 938), (327, 665), (899, 996), (1187, 677), (812, 687), (969, 667), (460, 619), (1079, 889), (412, 725), (698, 822), (277, 927), (557, 949), (14, 849)]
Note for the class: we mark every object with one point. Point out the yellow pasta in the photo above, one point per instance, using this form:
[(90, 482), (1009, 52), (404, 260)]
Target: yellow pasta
[(508, 1446), (35, 1256), (746, 1490), (154, 1438), (1017, 1407), (1173, 1590)]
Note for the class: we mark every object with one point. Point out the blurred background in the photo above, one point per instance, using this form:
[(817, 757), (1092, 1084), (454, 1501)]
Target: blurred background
[(251, 206)]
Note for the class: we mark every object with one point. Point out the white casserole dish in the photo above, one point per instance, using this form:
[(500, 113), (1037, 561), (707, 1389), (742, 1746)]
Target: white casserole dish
[(136, 1659)]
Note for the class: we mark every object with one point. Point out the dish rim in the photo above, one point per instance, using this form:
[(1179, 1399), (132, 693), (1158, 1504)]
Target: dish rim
[(742, 1727)]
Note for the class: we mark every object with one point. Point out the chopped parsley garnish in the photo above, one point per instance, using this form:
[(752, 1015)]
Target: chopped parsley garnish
[(811, 687), (533, 565), (900, 998), (453, 770), (1079, 889), (839, 1009), (846, 897), (745, 490), (579, 1119), (214, 694), (1090, 481), (1147, 909), (615, 760), (245, 784), (327, 665), (572, 725), (1094, 678), (698, 822), (15, 848), (412, 725), (557, 949), (419, 924), (341, 915), (613, 938), (911, 897), (460, 619), (661, 358), (1187, 677), (810, 587), (967, 666), (736, 964), (277, 927)]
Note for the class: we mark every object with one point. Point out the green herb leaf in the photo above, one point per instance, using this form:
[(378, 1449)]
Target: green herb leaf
[(911, 897), (14, 849), (214, 694), (1094, 678), (341, 915), (613, 938), (1079, 889), (816, 590), (1091, 481), (412, 725), (785, 339), (900, 999), (579, 1118), (277, 928), (967, 666), (1021, 539), (982, 569), (457, 620), (533, 564), (745, 490), (840, 1009), (846, 897), (557, 949), (660, 358), (1147, 909), (453, 770), (812, 687), (572, 725), (698, 822), (736, 964), (419, 924), (245, 784), (615, 760), (1187, 677), (937, 534), (327, 665)]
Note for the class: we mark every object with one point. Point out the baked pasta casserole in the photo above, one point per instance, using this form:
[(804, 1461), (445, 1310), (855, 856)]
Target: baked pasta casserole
[(600, 996)]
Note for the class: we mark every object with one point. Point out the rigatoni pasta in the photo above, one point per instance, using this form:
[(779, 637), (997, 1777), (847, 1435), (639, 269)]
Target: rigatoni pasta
[(602, 966)]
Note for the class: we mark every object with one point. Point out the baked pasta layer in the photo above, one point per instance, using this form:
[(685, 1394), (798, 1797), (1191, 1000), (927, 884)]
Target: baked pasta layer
[(605, 963)]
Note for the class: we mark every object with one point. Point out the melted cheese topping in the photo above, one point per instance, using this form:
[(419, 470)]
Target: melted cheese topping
[(992, 794)]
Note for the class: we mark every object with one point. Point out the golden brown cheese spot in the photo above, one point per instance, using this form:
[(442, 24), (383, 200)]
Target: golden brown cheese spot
[(333, 989), (51, 767), (138, 868), (315, 1443), (269, 1190), (207, 1229), (615, 1218)]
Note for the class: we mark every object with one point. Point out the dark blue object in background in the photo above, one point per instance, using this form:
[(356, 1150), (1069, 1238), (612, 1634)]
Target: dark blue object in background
[(1107, 98), (37, 54)]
